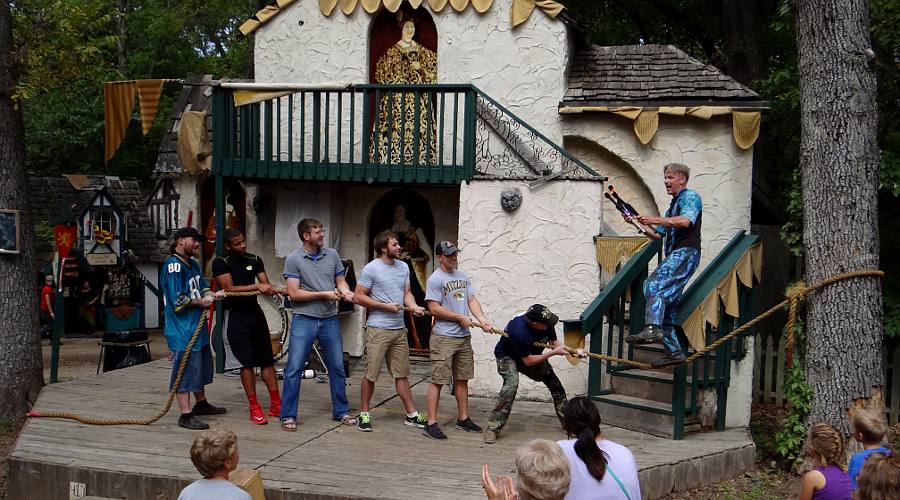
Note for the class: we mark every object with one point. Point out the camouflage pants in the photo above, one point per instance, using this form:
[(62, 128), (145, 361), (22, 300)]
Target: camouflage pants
[(541, 372)]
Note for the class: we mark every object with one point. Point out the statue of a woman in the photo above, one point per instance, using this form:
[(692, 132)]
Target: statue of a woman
[(406, 62)]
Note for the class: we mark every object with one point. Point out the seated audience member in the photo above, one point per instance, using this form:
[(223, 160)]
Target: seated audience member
[(879, 478), (600, 468), (829, 479), (869, 428), (215, 455), (542, 473)]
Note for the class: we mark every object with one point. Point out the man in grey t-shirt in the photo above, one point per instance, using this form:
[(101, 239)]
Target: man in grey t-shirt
[(314, 277), (383, 287), (451, 300)]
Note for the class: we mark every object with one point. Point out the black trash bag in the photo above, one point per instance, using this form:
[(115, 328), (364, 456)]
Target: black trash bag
[(122, 357), (125, 336)]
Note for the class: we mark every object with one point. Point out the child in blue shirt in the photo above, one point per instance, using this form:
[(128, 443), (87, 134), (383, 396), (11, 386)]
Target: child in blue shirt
[(869, 428)]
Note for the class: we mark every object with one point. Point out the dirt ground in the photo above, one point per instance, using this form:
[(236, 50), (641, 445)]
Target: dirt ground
[(78, 358)]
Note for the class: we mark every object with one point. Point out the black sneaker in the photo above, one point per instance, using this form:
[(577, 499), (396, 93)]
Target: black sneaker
[(434, 432), (204, 408), (672, 358), (364, 422), (467, 425), (189, 421), (419, 421), (649, 335)]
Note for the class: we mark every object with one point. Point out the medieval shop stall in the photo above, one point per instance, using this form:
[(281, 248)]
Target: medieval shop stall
[(111, 275)]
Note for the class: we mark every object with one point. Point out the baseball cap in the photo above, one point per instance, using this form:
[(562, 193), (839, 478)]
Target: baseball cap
[(541, 314), (188, 232), (445, 248)]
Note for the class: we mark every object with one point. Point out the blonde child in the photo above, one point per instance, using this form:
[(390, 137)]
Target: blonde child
[(215, 455), (829, 479), (869, 428), (879, 478)]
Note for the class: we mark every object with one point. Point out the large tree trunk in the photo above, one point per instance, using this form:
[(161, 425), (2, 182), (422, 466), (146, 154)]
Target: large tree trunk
[(839, 162), (21, 372)]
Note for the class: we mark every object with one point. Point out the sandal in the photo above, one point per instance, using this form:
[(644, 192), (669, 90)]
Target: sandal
[(289, 425), (348, 420)]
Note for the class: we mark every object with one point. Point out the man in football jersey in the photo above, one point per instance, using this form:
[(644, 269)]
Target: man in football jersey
[(185, 295)]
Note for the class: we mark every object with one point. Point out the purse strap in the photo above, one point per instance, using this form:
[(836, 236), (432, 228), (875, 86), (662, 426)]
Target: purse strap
[(619, 481)]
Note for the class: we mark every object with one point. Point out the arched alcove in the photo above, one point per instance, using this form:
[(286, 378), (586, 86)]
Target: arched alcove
[(630, 186)]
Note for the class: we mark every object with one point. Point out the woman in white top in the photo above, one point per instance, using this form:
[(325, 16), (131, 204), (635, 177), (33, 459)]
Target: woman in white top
[(599, 468)]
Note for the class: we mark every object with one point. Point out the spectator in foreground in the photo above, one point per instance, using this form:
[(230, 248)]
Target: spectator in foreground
[(215, 455), (869, 428), (879, 478), (542, 473), (599, 468), (829, 479)]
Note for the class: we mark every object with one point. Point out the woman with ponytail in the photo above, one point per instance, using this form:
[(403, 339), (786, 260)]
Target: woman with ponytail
[(599, 468)]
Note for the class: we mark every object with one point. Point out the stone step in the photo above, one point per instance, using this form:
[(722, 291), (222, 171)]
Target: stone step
[(645, 384), (639, 414)]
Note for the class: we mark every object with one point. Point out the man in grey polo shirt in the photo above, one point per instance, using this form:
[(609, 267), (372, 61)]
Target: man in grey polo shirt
[(450, 297), (314, 277), (383, 288)]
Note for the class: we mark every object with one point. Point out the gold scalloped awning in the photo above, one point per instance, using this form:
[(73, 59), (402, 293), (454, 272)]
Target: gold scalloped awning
[(745, 124), (748, 267), (613, 250), (519, 12)]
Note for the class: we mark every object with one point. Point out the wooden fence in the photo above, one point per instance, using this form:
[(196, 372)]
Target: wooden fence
[(768, 374)]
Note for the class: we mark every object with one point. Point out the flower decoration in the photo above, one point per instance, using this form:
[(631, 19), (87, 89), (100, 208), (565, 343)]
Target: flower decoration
[(103, 236)]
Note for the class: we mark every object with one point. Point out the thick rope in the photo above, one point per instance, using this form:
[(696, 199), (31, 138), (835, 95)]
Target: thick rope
[(133, 421)]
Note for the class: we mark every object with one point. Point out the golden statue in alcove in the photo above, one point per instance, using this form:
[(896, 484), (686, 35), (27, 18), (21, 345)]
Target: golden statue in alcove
[(406, 62)]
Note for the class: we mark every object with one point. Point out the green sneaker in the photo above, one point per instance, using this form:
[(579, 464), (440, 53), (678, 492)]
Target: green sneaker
[(364, 422), (419, 421)]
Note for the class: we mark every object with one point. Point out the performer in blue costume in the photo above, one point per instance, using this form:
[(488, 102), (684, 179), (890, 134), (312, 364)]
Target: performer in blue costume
[(681, 230)]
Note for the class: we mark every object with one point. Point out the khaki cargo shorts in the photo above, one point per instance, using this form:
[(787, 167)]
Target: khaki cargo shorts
[(382, 344), (451, 355)]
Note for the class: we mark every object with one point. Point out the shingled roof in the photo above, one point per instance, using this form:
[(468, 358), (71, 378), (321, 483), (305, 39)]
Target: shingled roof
[(629, 75), (56, 199), (195, 96)]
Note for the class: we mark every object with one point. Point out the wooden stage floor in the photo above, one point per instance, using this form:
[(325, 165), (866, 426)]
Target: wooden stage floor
[(322, 460)]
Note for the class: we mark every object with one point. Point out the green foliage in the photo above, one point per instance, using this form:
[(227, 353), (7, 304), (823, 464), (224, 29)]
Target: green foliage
[(891, 315), (789, 439), (68, 48)]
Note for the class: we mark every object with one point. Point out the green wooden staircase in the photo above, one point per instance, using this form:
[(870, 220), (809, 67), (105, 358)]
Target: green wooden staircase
[(667, 402)]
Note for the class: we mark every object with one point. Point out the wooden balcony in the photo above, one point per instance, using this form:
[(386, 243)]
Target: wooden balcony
[(419, 134)]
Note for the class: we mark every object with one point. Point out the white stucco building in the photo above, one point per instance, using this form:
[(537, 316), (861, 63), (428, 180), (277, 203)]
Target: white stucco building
[(624, 112)]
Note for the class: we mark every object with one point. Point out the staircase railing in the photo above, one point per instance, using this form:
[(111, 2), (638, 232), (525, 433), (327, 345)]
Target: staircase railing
[(509, 147), (611, 305), (611, 311)]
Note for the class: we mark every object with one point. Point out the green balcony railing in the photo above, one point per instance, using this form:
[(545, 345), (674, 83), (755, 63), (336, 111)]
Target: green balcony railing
[(364, 133)]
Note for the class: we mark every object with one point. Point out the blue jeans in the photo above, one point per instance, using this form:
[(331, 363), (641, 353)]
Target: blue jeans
[(304, 331), (663, 289)]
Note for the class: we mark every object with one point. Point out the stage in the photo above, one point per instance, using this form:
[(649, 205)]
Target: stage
[(322, 460)]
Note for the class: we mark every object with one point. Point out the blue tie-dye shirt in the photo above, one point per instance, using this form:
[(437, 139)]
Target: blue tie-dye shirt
[(686, 203)]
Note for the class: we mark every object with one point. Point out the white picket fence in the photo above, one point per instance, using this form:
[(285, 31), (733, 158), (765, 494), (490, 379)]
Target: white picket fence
[(768, 374)]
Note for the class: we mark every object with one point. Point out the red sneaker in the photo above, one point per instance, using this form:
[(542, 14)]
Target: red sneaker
[(275, 408), (256, 415)]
